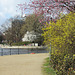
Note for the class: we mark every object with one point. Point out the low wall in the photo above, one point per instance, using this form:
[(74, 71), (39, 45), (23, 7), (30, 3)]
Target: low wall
[(22, 46)]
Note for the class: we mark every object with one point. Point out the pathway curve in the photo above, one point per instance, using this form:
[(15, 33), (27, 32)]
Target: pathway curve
[(27, 64)]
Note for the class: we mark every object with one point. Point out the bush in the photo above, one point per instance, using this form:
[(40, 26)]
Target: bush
[(60, 35), (20, 43), (62, 64)]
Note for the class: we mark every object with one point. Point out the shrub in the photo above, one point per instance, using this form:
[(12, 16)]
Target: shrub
[(63, 64), (60, 35), (20, 43)]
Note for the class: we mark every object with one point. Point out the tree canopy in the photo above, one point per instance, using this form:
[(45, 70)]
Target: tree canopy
[(49, 8), (32, 24), (1, 37), (19, 27), (13, 33)]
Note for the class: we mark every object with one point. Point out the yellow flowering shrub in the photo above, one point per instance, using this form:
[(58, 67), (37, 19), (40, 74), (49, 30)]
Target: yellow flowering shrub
[(61, 37), (61, 34)]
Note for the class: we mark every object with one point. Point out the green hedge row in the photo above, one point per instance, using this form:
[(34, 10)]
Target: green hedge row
[(20, 43)]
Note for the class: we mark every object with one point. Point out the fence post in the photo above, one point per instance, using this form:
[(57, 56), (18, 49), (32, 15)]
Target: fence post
[(10, 51), (1, 52), (18, 50), (37, 50), (28, 50)]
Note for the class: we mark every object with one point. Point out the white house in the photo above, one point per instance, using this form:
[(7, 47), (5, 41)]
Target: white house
[(30, 36)]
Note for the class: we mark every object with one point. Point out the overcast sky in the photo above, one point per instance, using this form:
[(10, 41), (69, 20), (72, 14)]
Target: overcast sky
[(8, 9)]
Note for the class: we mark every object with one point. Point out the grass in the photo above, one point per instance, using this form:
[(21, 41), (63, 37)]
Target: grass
[(47, 69)]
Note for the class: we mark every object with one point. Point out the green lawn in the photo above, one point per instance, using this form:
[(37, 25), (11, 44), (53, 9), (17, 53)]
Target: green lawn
[(47, 69)]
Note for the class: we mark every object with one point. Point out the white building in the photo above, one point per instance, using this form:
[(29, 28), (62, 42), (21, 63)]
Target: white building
[(30, 36)]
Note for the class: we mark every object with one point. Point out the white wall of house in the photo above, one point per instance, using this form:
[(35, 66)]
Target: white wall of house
[(29, 36)]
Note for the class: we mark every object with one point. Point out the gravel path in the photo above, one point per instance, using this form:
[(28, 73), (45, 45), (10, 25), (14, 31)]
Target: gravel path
[(27, 64)]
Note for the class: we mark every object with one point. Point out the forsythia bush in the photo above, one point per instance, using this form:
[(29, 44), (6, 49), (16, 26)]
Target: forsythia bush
[(61, 36), (62, 64)]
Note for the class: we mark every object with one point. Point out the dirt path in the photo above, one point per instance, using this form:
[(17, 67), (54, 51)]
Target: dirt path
[(28, 64)]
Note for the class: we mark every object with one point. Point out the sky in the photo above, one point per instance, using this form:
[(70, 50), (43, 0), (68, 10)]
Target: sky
[(8, 9)]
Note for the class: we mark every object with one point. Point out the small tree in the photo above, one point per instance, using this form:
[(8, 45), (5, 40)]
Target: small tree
[(13, 33), (16, 30)]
